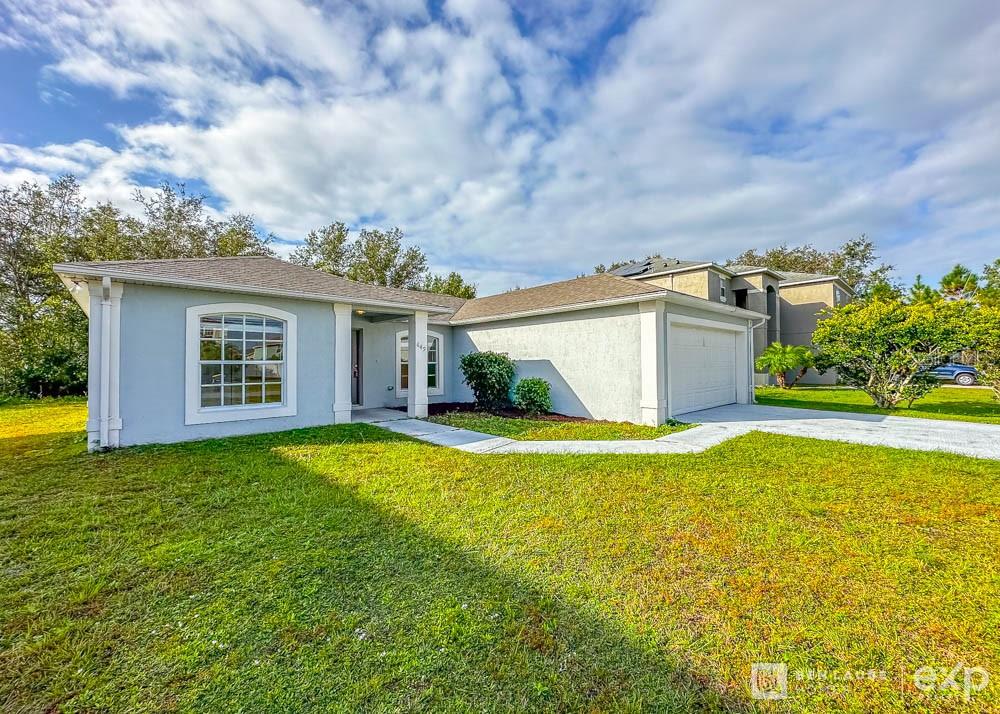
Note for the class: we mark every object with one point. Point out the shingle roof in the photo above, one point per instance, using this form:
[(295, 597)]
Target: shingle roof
[(260, 273), (795, 277), (655, 265), (740, 268), (786, 276), (590, 288)]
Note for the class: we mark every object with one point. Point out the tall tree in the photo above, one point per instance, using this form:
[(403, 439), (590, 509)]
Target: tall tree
[(108, 234), (921, 292), (43, 335), (989, 288), (38, 226), (327, 248), (856, 262), (238, 235), (450, 284), (378, 257), (959, 283)]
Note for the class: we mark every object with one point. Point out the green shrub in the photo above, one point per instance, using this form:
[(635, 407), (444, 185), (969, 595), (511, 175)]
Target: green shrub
[(778, 359), (489, 376), (532, 395)]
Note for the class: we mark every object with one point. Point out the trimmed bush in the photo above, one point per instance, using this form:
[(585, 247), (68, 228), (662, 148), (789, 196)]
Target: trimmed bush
[(489, 376), (532, 395)]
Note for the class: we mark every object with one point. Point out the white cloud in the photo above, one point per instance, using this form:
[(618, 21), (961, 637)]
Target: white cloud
[(518, 155)]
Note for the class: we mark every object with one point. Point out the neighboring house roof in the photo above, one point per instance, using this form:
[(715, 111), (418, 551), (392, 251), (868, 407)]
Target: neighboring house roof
[(739, 269), (260, 275), (664, 266), (790, 278)]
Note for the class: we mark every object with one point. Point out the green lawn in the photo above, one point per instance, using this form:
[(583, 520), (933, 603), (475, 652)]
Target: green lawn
[(547, 430), (349, 568), (957, 403)]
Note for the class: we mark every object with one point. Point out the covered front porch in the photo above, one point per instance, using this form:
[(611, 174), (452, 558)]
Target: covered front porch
[(367, 382)]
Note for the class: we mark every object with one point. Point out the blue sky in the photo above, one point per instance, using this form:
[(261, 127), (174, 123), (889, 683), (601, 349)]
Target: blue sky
[(526, 142)]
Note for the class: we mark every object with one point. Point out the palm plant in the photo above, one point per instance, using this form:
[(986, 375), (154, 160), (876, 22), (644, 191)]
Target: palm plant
[(779, 359)]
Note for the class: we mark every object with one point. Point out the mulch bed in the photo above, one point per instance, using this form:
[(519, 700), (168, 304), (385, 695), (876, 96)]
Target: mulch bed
[(446, 407)]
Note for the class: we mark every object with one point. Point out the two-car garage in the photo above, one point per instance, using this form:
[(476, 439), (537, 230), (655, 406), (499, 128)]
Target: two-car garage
[(706, 364)]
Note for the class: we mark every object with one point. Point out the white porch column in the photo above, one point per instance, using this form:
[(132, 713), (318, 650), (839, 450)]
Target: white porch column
[(104, 421), (341, 363), (652, 362), (416, 396)]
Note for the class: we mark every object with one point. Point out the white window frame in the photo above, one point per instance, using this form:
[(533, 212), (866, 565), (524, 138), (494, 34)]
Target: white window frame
[(722, 292), (194, 413), (432, 392)]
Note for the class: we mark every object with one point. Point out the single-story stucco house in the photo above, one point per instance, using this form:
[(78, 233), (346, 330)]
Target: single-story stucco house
[(196, 348)]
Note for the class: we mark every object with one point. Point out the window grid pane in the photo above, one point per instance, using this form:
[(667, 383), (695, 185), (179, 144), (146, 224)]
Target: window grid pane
[(433, 347), (241, 360)]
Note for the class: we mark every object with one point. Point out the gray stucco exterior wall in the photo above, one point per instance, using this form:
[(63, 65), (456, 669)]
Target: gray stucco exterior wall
[(590, 357), (153, 365), (378, 361)]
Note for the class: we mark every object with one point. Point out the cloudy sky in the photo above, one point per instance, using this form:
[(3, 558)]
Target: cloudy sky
[(525, 142)]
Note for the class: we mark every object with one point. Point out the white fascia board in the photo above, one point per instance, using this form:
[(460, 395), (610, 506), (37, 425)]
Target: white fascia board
[(69, 271), (666, 295), (770, 272)]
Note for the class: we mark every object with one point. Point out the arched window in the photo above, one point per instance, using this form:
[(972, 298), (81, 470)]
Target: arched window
[(240, 363), (435, 363)]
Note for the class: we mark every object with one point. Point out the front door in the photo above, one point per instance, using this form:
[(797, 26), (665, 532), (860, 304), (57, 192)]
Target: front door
[(357, 356)]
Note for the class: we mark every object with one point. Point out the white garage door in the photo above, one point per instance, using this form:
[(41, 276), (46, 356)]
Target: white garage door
[(702, 368)]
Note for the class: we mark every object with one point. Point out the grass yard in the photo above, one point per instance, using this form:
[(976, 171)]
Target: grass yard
[(954, 403), (549, 430), (350, 568)]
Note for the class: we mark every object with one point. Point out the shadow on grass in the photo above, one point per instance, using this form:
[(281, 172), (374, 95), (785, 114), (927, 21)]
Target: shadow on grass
[(232, 574)]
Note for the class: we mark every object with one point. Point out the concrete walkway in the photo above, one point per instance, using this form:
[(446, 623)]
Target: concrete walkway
[(720, 424)]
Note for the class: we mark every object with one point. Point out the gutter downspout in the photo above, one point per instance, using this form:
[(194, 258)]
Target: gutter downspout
[(105, 410), (753, 387)]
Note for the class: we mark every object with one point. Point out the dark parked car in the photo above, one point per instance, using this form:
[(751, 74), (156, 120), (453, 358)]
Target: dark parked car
[(959, 373)]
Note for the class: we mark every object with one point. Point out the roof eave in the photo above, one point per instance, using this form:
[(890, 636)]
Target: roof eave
[(755, 271), (811, 281), (665, 295), (68, 271)]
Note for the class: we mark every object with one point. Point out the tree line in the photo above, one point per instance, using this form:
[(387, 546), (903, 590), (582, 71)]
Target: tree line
[(43, 333)]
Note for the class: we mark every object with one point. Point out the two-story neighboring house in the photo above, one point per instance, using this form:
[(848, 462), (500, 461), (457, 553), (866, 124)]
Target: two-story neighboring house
[(792, 301)]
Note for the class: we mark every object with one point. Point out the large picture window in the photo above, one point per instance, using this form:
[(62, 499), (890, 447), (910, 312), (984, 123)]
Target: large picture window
[(241, 363), (242, 360), (435, 364)]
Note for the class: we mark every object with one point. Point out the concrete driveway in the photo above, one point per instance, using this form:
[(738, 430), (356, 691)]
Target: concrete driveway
[(957, 437), (719, 425)]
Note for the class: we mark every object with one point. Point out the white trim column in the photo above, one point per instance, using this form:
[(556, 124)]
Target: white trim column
[(416, 396), (652, 362), (744, 354), (341, 363), (104, 423)]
